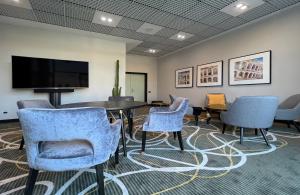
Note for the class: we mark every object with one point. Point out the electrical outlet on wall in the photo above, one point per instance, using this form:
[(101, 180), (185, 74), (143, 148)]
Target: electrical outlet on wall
[(5, 112)]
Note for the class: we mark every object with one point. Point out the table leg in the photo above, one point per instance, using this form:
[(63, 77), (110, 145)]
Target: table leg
[(130, 122), (123, 134), (196, 119)]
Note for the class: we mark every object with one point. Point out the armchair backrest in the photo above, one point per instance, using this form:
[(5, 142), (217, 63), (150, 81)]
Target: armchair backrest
[(121, 98), (90, 124), (34, 104), (291, 102), (180, 104), (215, 99), (253, 111)]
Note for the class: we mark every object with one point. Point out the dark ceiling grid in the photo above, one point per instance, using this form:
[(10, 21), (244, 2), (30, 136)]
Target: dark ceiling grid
[(202, 18), (130, 24), (49, 18), (280, 4), (101, 28), (50, 6), (79, 12)]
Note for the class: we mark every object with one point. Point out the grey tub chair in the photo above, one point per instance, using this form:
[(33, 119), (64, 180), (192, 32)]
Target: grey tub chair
[(166, 119), (289, 110), (32, 104), (68, 139), (255, 112)]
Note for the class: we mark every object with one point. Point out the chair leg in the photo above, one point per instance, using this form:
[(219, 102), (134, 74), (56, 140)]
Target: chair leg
[(296, 125), (288, 124), (241, 135), (116, 156), (180, 140), (31, 181), (263, 132), (224, 128), (256, 132), (100, 179), (144, 140), (174, 134), (21, 144)]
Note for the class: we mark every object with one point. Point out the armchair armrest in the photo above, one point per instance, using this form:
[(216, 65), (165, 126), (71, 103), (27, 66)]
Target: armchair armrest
[(159, 109)]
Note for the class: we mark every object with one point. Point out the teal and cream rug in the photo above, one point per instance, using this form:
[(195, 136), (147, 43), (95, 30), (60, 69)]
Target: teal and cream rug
[(212, 163)]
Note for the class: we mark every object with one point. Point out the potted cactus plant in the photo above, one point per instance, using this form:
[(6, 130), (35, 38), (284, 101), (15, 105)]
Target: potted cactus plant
[(116, 91)]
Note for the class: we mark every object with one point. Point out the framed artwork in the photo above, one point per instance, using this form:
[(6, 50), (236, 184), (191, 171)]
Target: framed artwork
[(251, 69), (184, 78), (210, 75)]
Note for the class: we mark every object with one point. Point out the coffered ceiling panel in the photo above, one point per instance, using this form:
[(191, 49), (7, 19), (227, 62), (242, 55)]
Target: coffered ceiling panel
[(201, 18)]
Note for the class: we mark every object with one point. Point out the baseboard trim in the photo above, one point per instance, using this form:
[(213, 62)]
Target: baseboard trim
[(9, 121)]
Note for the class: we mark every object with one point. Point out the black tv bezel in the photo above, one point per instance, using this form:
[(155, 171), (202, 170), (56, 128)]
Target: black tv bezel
[(50, 88)]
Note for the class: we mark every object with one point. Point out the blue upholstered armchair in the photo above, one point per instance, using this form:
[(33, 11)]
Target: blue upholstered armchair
[(166, 119), (68, 139), (289, 110), (32, 104), (255, 112)]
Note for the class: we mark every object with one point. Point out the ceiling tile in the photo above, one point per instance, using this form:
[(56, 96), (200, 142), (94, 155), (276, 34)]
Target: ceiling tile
[(148, 28), (167, 32), (88, 3), (117, 7), (215, 18), (101, 28), (282, 3), (147, 44), (180, 23), (155, 39), (161, 18), (219, 4), (258, 12), (178, 7), (50, 6), (16, 12), (139, 11), (79, 12), (231, 23), (49, 18), (199, 11), (130, 24), (170, 42), (120, 32), (78, 24), (195, 28), (152, 3), (211, 32)]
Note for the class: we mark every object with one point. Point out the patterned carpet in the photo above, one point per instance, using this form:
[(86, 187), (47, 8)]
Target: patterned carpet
[(212, 163)]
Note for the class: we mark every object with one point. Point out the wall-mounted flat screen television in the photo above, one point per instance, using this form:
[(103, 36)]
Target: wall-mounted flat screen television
[(28, 72)]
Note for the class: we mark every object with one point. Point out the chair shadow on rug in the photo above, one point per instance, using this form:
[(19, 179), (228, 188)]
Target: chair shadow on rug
[(68, 139)]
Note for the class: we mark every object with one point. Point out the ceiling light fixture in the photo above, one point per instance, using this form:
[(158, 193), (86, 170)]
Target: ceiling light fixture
[(244, 7), (180, 36), (239, 5), (103, 18), (17, 1), (109, 20), (152, 50)]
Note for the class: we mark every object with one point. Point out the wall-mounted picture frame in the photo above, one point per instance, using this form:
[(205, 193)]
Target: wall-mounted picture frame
[(251, 69), (184, 77), (210, 74)]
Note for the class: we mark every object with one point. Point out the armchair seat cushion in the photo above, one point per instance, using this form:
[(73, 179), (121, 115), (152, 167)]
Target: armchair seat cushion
[(65, 149)]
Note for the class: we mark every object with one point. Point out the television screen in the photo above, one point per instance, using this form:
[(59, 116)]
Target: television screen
[(30, 72)]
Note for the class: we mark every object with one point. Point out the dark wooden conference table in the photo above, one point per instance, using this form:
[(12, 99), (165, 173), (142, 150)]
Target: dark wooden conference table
[(120, 107)]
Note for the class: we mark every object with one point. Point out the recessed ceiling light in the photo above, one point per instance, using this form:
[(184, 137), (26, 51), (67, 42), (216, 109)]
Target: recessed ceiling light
[(148, 28), (244, 7), (103, 18), (241, 6), (106, 19), (17, 1), (152, 51), (181, 36)]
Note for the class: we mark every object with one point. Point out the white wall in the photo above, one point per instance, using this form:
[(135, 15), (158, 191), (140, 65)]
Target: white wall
[(279, 33), (144, 64), (35, 42)]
